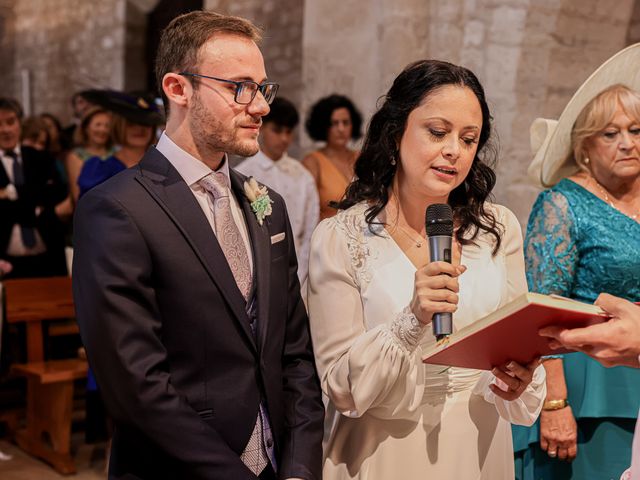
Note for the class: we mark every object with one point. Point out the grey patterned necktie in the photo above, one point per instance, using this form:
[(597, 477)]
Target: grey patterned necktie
[(254, 455), (227, 232)]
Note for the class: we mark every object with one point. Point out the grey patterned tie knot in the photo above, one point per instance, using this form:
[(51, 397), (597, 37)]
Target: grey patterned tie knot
[(217, 184), (227, 232)]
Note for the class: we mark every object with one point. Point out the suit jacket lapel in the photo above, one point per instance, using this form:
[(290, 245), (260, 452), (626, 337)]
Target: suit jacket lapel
[(174, 196), (261, 248)]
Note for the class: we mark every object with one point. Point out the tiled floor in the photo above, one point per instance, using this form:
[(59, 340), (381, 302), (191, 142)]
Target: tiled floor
[(90, 461)]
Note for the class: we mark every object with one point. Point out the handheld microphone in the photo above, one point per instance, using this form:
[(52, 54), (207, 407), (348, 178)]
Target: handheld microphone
[(439, 226)]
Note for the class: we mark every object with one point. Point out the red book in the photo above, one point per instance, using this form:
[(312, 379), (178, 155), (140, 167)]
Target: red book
[(511, 332)]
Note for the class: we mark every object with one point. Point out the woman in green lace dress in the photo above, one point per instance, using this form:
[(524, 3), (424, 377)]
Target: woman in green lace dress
[(583, 238)]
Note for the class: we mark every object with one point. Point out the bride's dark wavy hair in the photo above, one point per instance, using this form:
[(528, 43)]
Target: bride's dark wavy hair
[(374, 170)]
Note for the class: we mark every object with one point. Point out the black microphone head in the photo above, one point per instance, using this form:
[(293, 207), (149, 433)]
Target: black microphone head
[(439, 220)]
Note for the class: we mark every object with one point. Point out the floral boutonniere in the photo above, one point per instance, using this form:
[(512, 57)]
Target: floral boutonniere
[(259, 198)]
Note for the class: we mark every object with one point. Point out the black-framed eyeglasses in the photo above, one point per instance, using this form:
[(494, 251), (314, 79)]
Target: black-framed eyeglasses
[(245, 90)]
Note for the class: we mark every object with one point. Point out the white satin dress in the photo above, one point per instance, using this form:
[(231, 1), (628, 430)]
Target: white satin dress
[(392, 416)]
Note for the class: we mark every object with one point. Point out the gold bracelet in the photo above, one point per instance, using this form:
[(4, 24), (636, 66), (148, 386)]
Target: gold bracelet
[(549, 405)]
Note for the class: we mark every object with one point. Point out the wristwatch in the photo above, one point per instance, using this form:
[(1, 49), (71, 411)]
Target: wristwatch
[(549, 405)]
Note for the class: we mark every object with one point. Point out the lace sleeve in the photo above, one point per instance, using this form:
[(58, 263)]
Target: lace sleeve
[(550, 245)]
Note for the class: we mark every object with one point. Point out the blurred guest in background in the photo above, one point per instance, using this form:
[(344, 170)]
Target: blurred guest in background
[(92, 138), (583, 238), (5, 267), (31, 196), (54, 129), (336, 121), (54, 145), (79, 104), (273, 167), (35, 133), (132, 131)]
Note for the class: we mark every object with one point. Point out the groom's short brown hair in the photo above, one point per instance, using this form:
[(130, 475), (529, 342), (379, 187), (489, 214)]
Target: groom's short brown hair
[(183, 38)]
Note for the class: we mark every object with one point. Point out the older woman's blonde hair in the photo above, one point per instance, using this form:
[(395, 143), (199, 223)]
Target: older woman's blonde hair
[(598, 113), (80, 135)]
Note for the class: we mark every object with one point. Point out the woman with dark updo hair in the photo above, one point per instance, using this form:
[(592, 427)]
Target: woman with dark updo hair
[(372, 291), (336, 121)]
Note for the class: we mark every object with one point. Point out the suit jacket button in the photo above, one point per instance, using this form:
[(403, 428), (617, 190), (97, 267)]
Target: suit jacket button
[(269, 442)]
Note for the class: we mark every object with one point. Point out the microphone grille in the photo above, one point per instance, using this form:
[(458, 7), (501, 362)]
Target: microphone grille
[(439, 220)]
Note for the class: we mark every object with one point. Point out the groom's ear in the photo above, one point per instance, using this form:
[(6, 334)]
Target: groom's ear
[(177, 88)]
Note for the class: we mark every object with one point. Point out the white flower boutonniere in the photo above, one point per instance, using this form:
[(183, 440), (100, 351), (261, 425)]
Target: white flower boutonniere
[(259, 198)]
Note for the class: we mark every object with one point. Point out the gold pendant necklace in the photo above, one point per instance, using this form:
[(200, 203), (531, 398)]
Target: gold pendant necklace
[(418, 243), (607, 199)]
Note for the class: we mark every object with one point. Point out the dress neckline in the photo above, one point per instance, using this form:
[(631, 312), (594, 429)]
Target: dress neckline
[(389, 237), (581, 188), (327, 160)]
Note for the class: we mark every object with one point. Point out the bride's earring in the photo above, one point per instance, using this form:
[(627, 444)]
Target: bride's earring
[(394, 156)]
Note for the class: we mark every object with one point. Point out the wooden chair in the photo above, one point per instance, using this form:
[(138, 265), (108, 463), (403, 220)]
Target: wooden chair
[(49, 382)]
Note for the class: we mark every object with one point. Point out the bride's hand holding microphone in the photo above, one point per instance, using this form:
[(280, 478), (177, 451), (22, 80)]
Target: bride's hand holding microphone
[(436, 290)]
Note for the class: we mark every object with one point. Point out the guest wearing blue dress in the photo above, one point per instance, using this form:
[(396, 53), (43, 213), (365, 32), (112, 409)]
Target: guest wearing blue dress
[(583, 238), (133, 125), (132, 132), (92, 138)]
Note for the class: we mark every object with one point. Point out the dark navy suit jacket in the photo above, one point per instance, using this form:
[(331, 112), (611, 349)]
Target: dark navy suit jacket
[(166, 331)]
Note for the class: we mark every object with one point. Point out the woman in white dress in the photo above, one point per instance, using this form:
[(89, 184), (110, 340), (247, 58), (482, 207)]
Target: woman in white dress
[(372, 293)]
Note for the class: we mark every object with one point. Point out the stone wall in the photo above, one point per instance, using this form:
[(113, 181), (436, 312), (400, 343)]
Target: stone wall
[(357, 48), (530, 55), (8, 76), (67, 45), (281, 44)]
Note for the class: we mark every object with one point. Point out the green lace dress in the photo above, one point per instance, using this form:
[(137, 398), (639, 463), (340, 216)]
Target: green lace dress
[(578, 246)]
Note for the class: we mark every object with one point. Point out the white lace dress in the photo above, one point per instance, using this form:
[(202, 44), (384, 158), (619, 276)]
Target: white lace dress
[(400, 418)]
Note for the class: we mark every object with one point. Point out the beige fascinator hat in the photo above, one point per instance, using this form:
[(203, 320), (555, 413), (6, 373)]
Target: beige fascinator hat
[(551, 139)]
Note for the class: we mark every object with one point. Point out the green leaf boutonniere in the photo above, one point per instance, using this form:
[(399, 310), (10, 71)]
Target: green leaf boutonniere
[(259, 198)]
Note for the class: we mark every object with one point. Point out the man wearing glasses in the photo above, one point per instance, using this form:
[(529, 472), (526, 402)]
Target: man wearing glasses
[(185, 282)]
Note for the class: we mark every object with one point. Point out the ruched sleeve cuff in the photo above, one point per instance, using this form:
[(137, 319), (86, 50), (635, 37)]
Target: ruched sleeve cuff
[(525, 409)]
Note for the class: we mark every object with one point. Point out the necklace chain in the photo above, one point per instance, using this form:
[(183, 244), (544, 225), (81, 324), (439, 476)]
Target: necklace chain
[(607, 199), (418, 243)]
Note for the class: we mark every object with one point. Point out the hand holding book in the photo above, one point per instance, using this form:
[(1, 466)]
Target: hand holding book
[(615, 342), (515, 377)]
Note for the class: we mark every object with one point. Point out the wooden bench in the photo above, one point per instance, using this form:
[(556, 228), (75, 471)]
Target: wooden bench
[(49, 409), (49, 383)]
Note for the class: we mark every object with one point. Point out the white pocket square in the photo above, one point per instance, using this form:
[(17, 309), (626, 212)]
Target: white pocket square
[(278, 237)]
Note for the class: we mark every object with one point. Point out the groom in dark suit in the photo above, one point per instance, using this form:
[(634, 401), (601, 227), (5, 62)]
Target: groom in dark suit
[(185, 283)]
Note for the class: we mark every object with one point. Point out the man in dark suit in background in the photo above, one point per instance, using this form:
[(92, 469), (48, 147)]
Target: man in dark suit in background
[(185, 283), (31, 234)]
